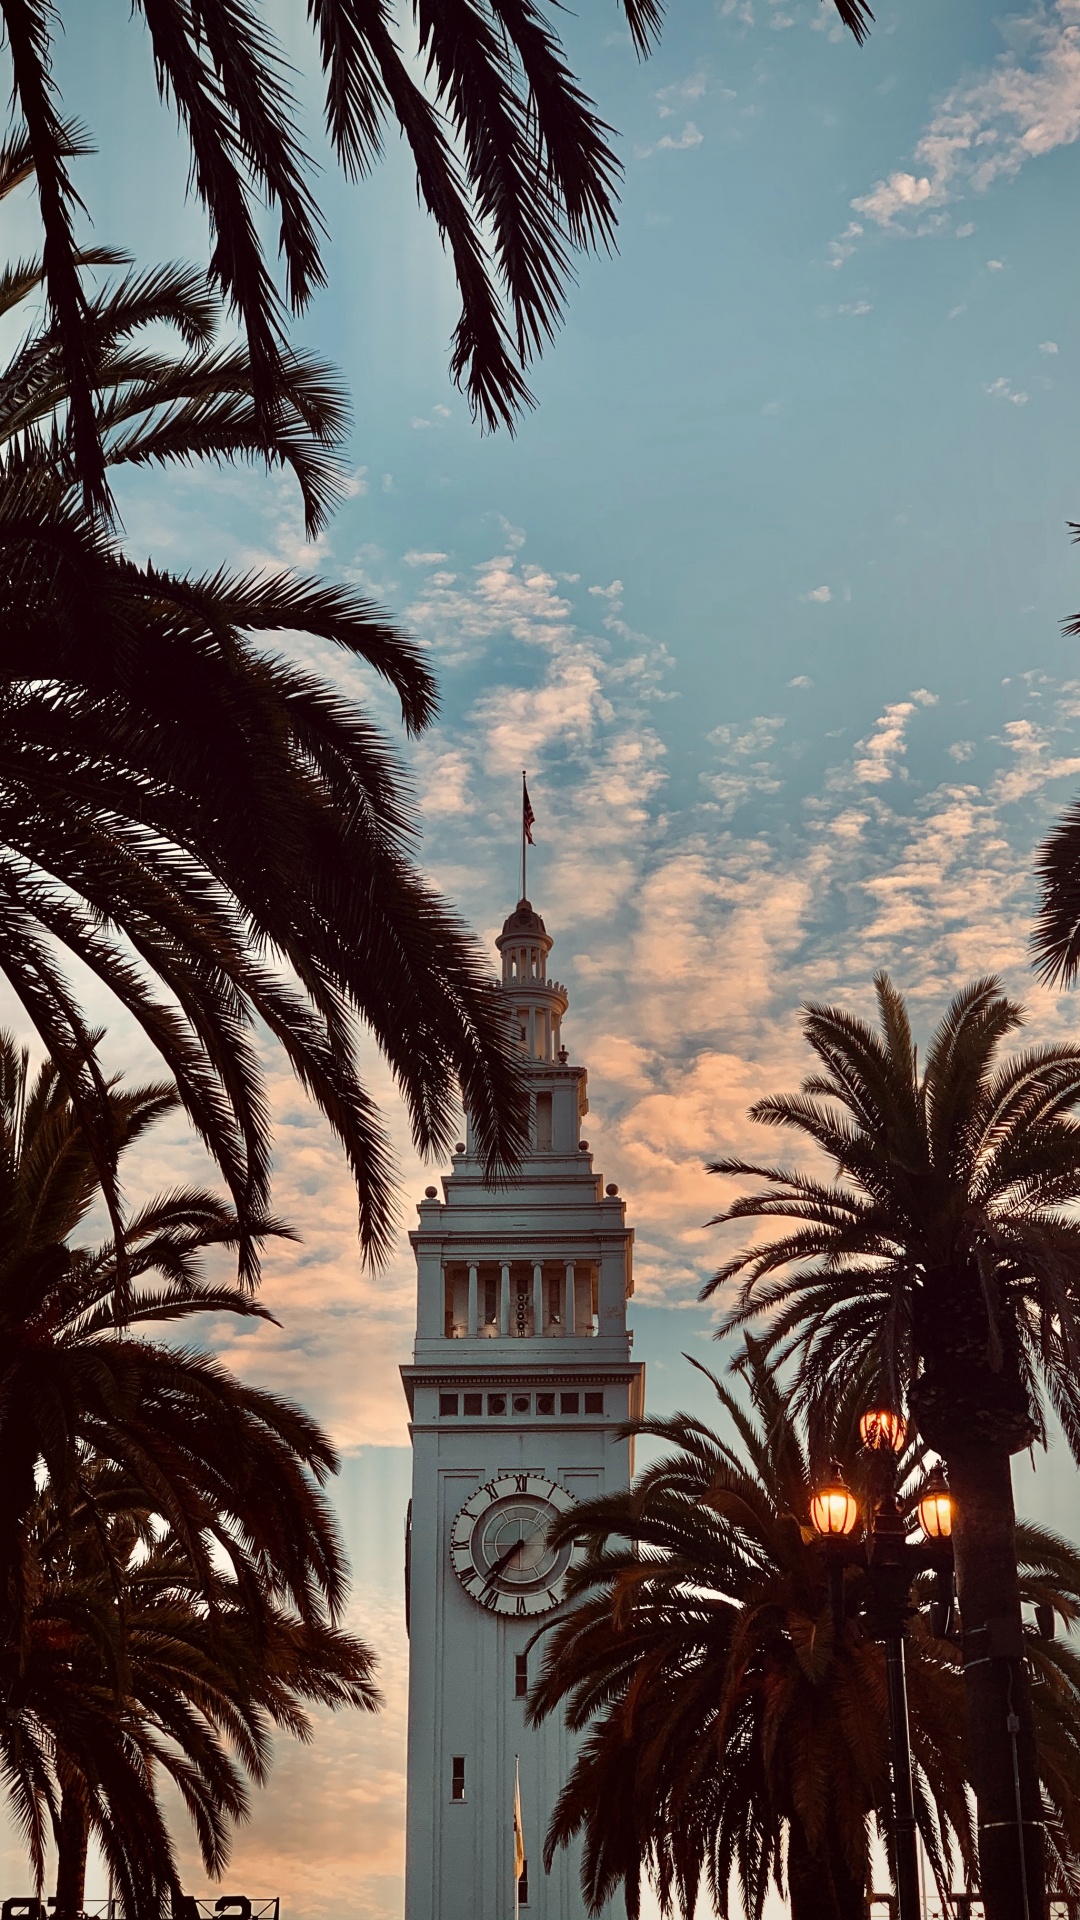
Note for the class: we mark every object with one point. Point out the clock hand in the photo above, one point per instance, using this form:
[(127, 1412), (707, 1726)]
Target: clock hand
[(503, 1562)]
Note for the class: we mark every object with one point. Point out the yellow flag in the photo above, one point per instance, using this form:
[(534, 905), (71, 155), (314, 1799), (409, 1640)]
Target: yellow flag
[(519, 1834)]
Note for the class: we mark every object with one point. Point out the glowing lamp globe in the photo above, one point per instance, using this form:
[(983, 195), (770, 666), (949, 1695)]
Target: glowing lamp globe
[(834, 1508), (936, 1508), (883, 1431)]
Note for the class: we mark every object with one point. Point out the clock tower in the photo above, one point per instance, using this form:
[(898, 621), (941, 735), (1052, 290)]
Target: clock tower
[(521, 1375)]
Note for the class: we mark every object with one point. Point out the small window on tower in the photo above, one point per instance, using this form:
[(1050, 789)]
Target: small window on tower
[(594, 1403), (496, 1403), (474, 1403), (457, 1777), (570, 1403), (447, 1403), (543, 1122), (523, 1886), (545, 1403), (521, 1676)]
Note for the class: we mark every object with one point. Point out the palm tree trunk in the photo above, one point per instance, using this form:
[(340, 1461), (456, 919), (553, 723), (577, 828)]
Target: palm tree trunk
[(1002, 1752), (821, 1886), (72, 1841)]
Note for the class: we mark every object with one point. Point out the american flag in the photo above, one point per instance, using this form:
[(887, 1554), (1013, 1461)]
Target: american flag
[(528, 817)]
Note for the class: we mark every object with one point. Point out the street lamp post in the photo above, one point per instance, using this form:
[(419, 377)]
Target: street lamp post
[(890, 1562)]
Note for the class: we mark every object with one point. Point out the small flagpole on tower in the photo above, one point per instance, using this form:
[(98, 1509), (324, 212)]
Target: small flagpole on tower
[(528, 819)]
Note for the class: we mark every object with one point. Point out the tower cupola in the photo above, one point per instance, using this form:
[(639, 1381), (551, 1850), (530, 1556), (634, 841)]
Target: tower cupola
[(539, 1003)]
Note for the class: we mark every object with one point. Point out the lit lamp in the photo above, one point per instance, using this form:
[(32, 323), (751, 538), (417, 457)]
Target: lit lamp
[(883, 1431), (936, 1507), (834, 1509)]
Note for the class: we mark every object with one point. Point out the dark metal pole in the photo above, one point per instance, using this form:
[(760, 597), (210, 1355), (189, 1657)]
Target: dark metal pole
[(907, 1859)]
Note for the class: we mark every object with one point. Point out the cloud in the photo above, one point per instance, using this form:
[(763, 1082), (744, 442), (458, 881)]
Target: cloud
[(898, 194), (1002, 389), (822, 595), (996, 266), (879, 757), (856, 307), (1048, 346), (671, 99), (986, 129), (801, 680), (690, 137)]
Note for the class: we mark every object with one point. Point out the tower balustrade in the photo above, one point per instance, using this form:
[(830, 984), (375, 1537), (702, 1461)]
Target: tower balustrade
[(521, 1300)]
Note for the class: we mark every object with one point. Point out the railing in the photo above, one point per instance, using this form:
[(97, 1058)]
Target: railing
[(967, 1906), (225, 1906), (236, 1905)]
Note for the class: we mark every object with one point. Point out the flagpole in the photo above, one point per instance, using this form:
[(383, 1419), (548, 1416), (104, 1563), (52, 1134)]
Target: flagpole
[(518, 1835), (524, 896)]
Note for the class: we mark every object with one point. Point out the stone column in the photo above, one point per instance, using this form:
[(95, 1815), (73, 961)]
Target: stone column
[(538, 1299), (472, 1326), (504, 1304), (568, 1299)]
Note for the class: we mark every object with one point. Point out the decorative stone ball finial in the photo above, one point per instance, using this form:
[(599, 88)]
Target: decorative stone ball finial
[(431, 1193), (611, 1190)]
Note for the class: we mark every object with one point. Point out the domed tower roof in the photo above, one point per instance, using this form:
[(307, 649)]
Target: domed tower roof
[(524, 919)]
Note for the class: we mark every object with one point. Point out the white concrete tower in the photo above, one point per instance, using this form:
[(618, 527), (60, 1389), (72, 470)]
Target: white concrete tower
[(521, 1373)]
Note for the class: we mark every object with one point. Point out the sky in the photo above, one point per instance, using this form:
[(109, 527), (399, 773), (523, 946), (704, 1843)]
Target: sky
[(767, 596)]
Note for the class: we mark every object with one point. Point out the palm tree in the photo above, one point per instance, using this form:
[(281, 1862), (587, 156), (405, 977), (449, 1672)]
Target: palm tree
[(235, 1472), (182, 810), (512, 163), (733, 1735), (940, 1266), (134, 1668), (171, 1575)]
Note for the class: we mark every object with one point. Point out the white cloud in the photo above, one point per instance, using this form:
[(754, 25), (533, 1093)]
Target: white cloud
[(1002, 389), (898, 194), (415, 558), (986, 129), (962, 749), (995, 266), (690, 137), (843, 248), (751, 737), (801, 680), (1048, 346), (880, 756), (821, 594), (671, 99), (856, 307)]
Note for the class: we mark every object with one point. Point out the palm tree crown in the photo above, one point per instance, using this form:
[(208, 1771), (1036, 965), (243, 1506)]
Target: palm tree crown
[(137, 1667), (222, 837), (940, 1266), (171, 1576), (734, 1736), (512, 163), (943, 1261)]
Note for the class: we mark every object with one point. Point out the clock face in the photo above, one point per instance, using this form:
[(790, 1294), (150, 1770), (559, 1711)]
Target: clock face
[(499, 1545)]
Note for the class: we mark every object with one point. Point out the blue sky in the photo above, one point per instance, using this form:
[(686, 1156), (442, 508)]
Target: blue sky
[(765, 594)]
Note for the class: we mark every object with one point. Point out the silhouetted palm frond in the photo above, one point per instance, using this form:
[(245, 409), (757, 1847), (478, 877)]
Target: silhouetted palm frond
[(512, 162)]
